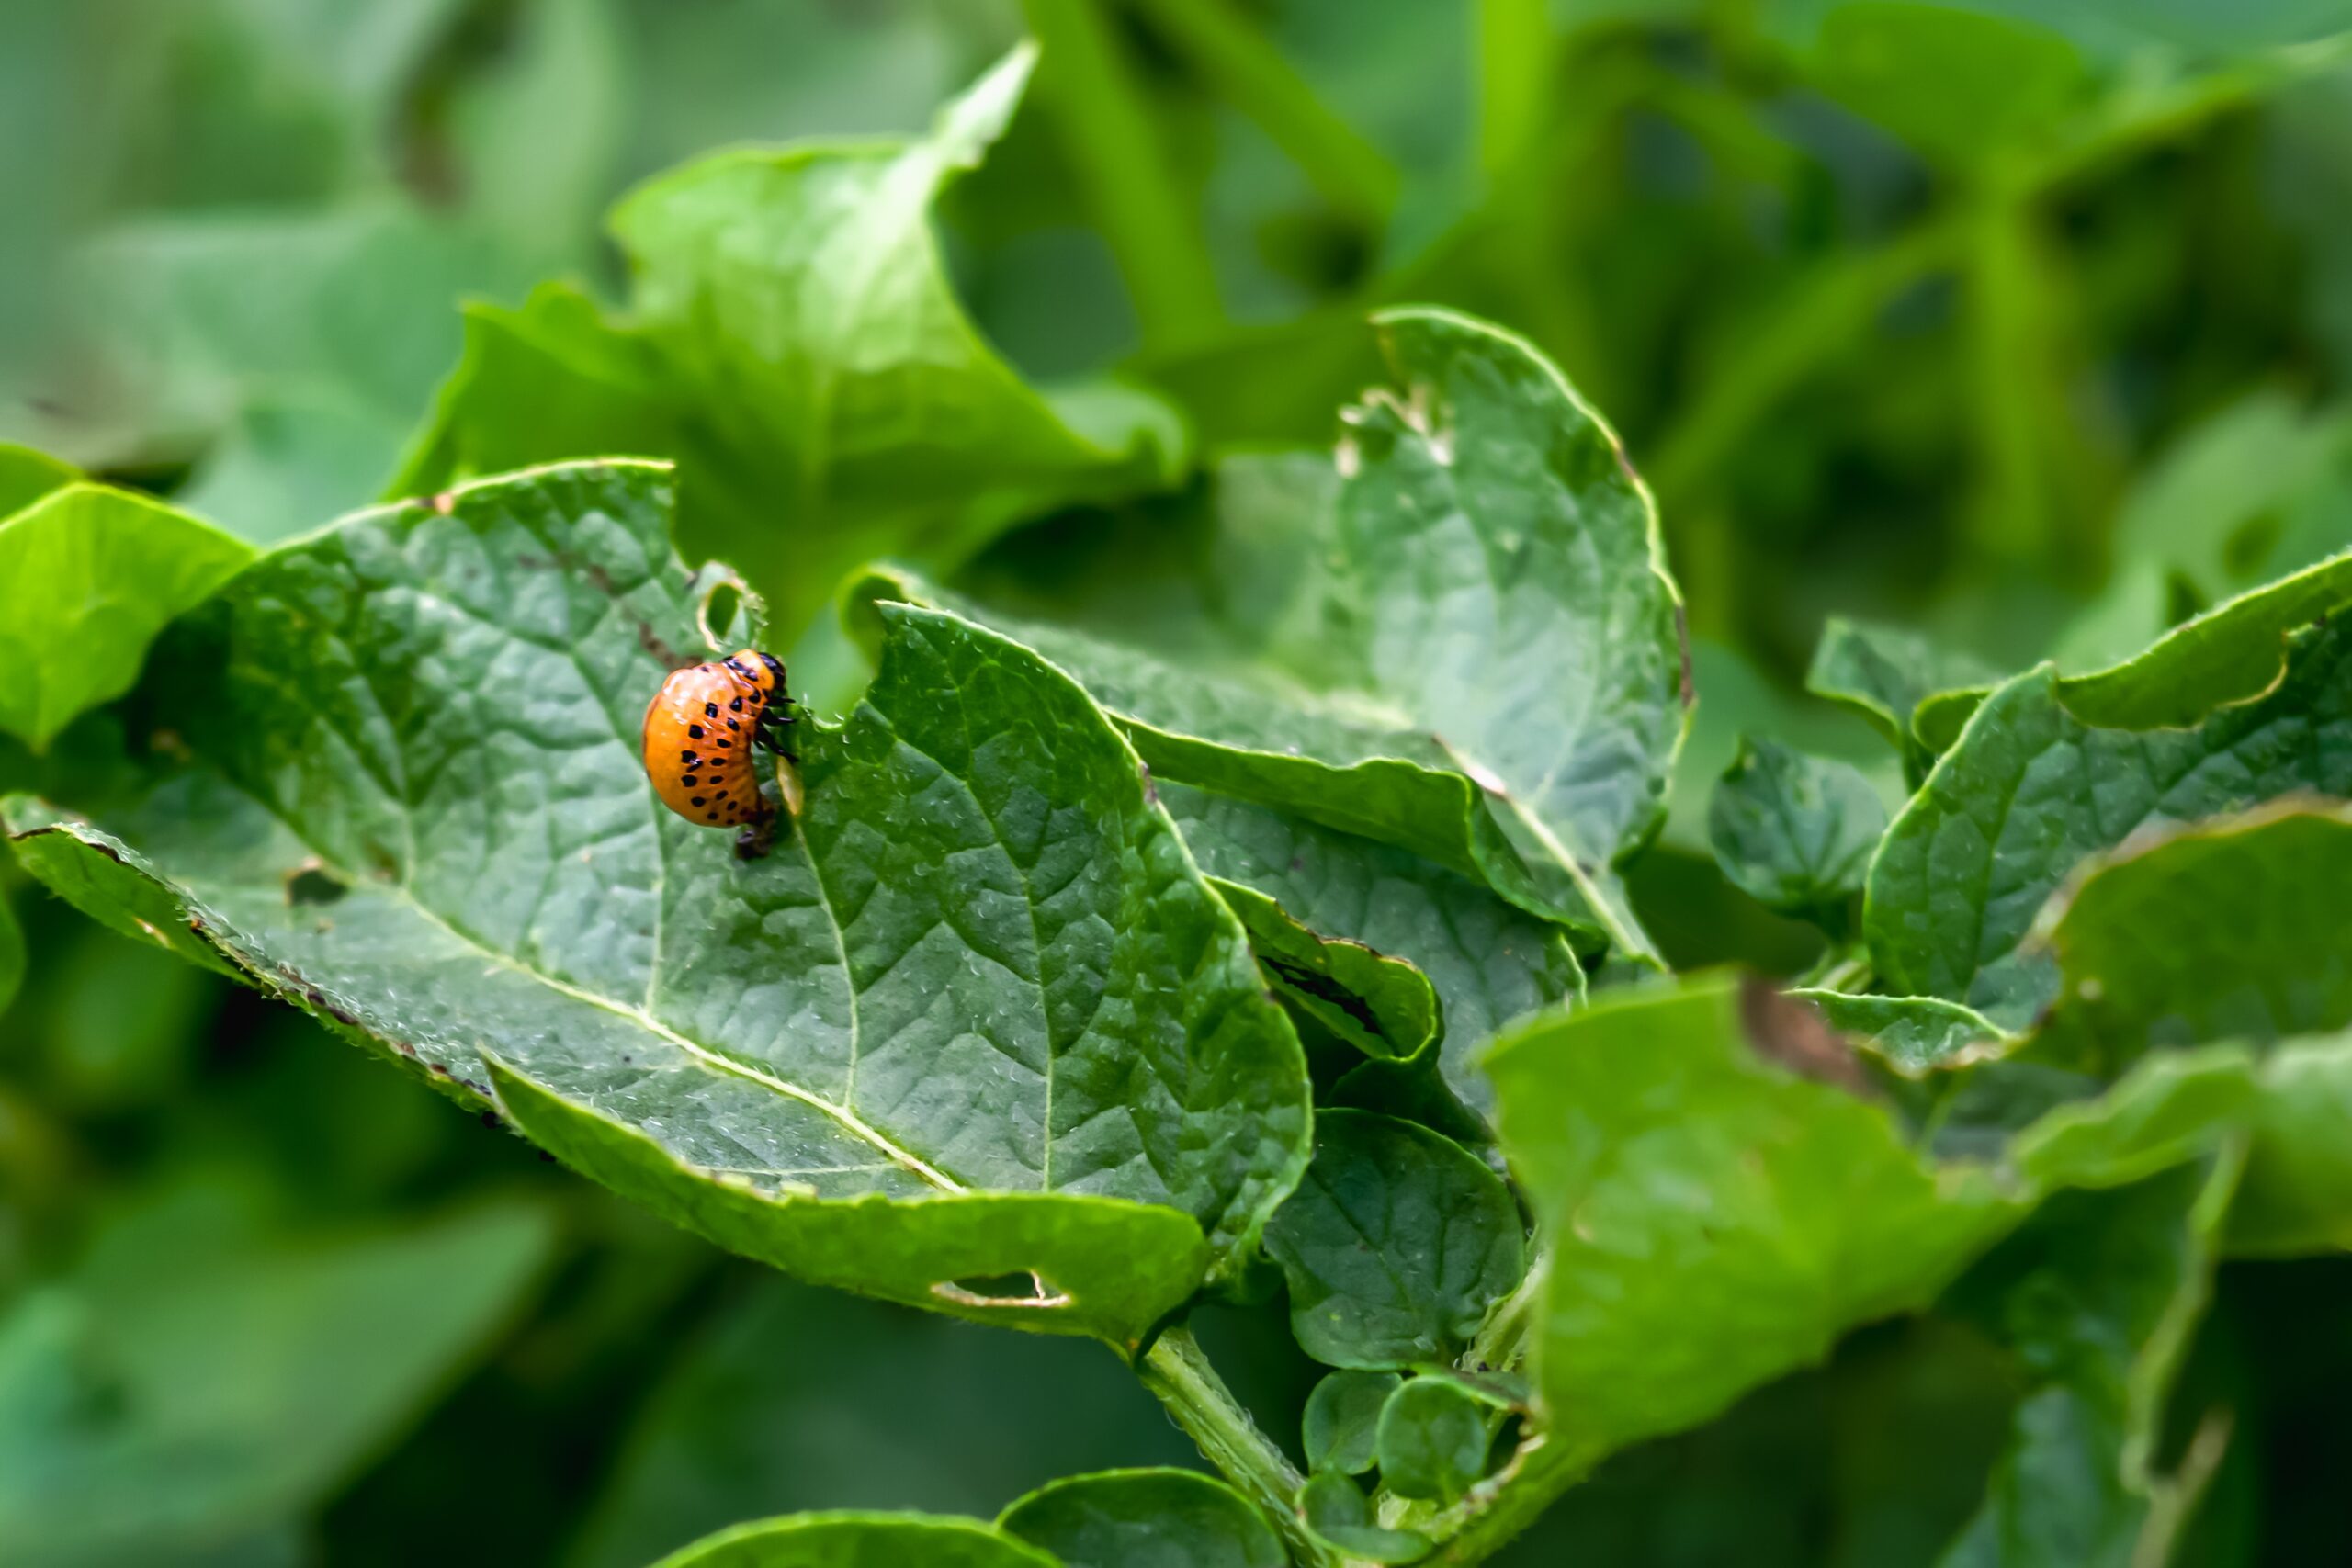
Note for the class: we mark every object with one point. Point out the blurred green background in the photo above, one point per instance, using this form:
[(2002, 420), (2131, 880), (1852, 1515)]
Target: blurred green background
[(2028, 322)]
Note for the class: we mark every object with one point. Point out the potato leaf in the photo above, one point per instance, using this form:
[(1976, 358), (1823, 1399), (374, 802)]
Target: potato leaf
[(1499, 686), (858, 1541), (1884, 673), (88, 575), (1396, 1245), (2032, 789), (1433, 1439), (1341, 1424), (975, 1036), (1713, 1221), (1382, 1006), (1145, 1518), (1794, 832), (795, 343)]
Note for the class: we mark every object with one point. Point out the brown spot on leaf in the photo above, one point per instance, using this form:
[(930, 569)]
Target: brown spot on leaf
[(1788, 1032)]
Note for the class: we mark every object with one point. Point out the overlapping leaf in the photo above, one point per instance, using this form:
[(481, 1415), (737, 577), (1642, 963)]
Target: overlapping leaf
[(977, 1016), (1499, 684)]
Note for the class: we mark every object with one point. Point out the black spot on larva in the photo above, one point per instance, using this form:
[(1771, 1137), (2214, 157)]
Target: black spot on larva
[(690, 781), (700, 801), (720, 796), (732, 724), (725, 742), (688, 757), (737, 705), (693, 732), (710, 816), (710, 710)]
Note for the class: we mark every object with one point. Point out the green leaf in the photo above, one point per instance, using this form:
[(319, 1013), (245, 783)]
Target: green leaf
[(1884, 673), (1336, 1510), (2171, 1107), (2098, 1294), (1433, 1439), (142, 1424), (858, 1541), (2235, 653), (1395, 1245), (1342, 1420), (2297, 1195), (1382, 1006), (2031, 790), (88, 576), (1488, 962), (1791, 831), (1915, 1035), (797, 345), (1486, 521), (26, 475), (976, 1021), (2232, 929), (1714, 1221), (1145, 1518)]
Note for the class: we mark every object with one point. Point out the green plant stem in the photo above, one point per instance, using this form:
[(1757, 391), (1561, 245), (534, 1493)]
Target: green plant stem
[(1515, 46), (1234, 56), (1179, 1375), (1108, 137)]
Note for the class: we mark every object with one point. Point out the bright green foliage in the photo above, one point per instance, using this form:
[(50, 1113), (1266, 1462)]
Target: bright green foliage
[(2030, 790), (88, 576), (1714, 1221), (1884, 673), (2232, 653), (794, 342), (1433, 1440), (146, 1424), (752, 1049), (26, 475), (858, 1541), (1145, 1518), (1395, 1244), (1483, 511), (1963, 86), (1336, 1511), (2097, 1296), (1793, 832), (2234, 930), (1342, 1420), (1382, 1006), (1489, 962)]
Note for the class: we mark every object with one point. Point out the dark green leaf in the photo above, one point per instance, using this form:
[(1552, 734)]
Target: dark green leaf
[(2097, 1296), (1794, 832), (1382, 1006), (1884, 673), (2297, 1195), (1489, 963), (436, 706), (858, 1541), (1432, 1439), (11, 953), (2235, 929), (792, 1398), (141, 1419), (1335, 1508), (1145, 1518), (1395, 1244), (1343, 1420), (88, 576), (2031, 790), (1714, 1221), (1486, 523)]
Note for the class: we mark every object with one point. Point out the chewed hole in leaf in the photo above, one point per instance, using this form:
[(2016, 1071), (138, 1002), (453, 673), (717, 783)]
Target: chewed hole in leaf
[(727, 612), (1023, 1289), (311, 883)]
